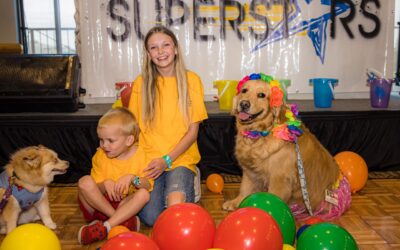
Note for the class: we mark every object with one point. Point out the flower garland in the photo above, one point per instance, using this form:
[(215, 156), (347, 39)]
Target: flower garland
[(288, 131), (254, 134)]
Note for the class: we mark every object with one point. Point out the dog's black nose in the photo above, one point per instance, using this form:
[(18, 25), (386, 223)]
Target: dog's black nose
[(244, 105)]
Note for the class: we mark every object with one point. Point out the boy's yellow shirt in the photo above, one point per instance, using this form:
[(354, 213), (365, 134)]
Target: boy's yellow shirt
[(169, 124), (104, 168)]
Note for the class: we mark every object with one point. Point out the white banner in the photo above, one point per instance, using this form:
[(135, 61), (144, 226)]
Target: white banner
[(288, 39)]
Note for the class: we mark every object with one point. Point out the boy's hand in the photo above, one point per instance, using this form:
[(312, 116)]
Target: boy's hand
[(155, 168), (122, 186), (109, 186)]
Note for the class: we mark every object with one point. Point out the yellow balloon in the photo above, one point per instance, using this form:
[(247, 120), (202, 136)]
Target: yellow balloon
[(288, 247), (31, 236), (215, 183)]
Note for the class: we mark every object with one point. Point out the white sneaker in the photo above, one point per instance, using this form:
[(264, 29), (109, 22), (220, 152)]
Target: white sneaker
[(197, 186)]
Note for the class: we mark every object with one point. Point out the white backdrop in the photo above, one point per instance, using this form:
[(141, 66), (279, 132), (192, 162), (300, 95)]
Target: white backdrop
[(296, 46)]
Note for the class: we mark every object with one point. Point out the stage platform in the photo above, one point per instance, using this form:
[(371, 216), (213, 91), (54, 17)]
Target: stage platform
[(349, 125)]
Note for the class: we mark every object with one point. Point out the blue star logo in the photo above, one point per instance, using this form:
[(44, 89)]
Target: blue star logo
[(315, 27)]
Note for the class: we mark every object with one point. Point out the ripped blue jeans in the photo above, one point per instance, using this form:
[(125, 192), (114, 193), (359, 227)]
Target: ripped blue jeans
[(179, 179)]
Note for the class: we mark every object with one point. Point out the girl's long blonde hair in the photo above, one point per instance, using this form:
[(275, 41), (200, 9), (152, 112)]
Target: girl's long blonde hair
[(150, 75)]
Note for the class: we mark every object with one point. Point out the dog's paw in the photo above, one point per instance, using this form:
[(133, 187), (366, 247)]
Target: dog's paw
[(230, 205), (51, 225)]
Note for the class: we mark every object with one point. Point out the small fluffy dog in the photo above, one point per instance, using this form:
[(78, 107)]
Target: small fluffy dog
[(279, 155), (23, 187)]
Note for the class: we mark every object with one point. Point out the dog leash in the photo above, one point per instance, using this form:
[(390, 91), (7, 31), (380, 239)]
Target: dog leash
[(7, 194), (302, 177)]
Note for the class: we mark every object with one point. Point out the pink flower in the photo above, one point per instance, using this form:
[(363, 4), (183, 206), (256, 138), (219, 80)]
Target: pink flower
[(281, 132), (285, 133)]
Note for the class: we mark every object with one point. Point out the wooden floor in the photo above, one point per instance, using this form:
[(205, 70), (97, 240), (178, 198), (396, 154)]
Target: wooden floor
[(373, 219)]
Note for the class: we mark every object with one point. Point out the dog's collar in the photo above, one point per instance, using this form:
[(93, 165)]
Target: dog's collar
[(254, 134), (12, 180), (19, 186)]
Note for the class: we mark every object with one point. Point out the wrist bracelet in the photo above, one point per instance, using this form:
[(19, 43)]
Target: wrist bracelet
[(136, 181), (168, 161)]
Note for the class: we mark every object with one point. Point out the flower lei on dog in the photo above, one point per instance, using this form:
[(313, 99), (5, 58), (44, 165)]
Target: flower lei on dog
[(288, 131)]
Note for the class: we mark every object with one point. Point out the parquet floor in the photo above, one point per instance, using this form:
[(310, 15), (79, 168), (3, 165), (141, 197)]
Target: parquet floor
[(373, 219)]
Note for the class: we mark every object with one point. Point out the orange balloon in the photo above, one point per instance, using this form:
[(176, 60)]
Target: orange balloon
[(117, 230), (215, 183), (354, 168)]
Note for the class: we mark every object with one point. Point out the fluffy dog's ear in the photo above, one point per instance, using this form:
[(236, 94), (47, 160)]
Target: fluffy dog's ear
[(279, 113), (32, 159)]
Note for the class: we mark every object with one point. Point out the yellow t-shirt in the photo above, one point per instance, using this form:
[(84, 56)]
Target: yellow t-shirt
[(169, 124), (104, 168)]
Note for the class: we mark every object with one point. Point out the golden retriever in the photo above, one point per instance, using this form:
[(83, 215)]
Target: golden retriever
[(23, 187), (269, 160)]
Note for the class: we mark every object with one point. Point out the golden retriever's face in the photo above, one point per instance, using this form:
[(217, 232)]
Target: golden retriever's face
[(36, 165), (252, 103)]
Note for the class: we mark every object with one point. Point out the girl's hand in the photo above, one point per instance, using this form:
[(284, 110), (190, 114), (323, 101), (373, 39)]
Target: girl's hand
[(155, 168), (121, 187), (110, 190)]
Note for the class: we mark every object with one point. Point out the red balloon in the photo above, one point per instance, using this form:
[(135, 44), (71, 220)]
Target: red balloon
[(248, 228), (313, 220), (130, 241), (184, 226)]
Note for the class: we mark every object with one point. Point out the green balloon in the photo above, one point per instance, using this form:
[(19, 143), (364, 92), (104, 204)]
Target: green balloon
[(326, 236), (278, 209)]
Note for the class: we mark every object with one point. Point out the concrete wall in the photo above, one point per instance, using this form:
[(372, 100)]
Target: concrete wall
[(8, 22)]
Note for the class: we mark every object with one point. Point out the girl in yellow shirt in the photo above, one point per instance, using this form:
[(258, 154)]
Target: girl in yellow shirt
[(168, 101)]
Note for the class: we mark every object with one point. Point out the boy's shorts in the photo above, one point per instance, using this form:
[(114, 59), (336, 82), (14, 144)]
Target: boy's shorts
[(96, 215)]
